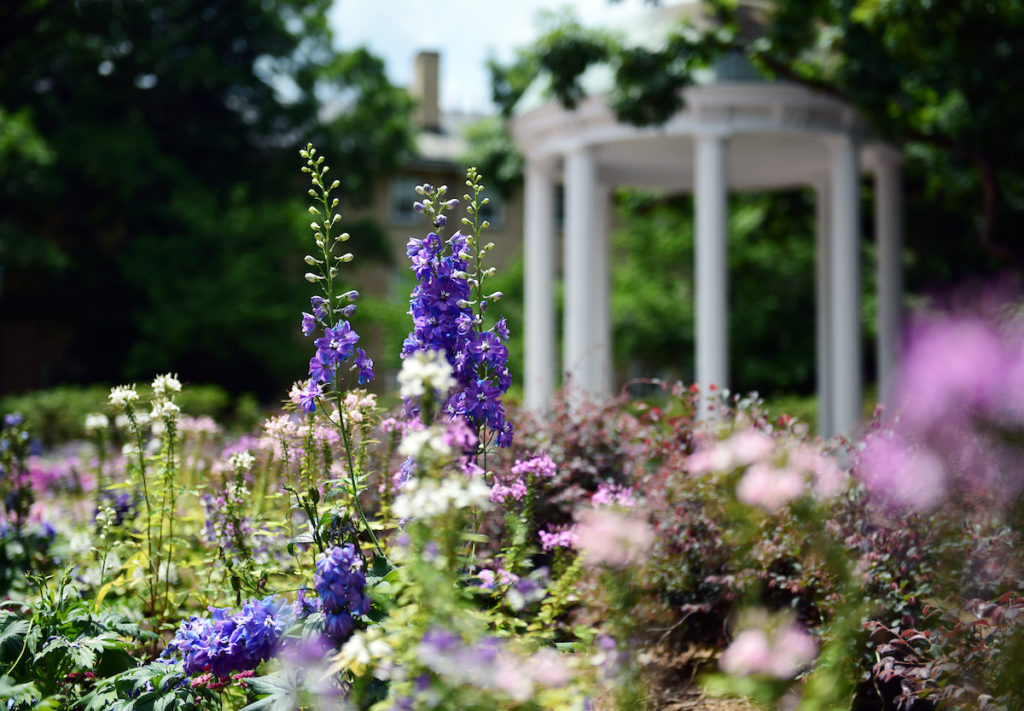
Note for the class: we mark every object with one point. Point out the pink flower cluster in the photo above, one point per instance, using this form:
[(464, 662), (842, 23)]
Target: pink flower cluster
[(781, 655), (777, 471), (606, 537), (613, 495), (558, 538), (515, 485)]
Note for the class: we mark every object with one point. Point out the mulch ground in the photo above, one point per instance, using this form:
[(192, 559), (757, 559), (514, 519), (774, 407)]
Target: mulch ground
[(672, 679)]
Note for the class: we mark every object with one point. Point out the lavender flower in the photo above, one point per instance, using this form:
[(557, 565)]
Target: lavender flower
[(337, 343), (444, 321), (224, 643), (340, 585)]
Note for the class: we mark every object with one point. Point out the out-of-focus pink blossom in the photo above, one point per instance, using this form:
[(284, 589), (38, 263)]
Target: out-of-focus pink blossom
[(613, 495), (743, 448), (793, 650), (609, 538), (952, 367), (959, 410), (770, 488), (902, 474), (782, 655), (548, 668), (750, 653)]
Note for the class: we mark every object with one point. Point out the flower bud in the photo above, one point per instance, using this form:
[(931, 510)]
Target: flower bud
[(346, 257), (314, 225), (312, 192), (344, 237), (495, 296), (313, 210), (490, 272), (310, 260), (335, 184), (452, 204), (333, 272), (418, 206), (312, 278)]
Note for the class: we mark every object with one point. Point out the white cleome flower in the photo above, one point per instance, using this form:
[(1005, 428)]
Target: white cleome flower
[(242, 461), (122, 395), (424, 444), (423, 370), (426, 498), (165, 410), (164, 384), (96, 421)]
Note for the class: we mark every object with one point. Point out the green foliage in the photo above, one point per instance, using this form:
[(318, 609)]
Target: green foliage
[(58, 414), (563, 53), (145, 155), (154, 687), (937, 78), (492, 150), (771, 268), (50, 649)]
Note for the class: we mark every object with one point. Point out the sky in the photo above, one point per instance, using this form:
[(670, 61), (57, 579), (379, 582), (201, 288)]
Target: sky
[(465, 32)]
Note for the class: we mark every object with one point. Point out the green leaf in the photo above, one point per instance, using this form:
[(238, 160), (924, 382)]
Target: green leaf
[(12, 638)]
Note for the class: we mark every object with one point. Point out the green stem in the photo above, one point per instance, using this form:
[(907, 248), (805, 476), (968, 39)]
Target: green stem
[(352, 475)]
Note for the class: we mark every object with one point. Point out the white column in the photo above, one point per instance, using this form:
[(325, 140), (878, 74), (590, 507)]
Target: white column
[(601, 293), (889, 274), (539, 286), (823, 319), (711, 260), (580, 192), (844, 296)]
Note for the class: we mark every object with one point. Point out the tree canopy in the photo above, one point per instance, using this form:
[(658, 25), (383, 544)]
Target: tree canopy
[(149, 209), (939, 78)]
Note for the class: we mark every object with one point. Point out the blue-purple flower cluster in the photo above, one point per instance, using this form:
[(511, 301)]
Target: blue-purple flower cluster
[(125, 505), (337, 345), (443, 320), (226, 643), (340, 585)]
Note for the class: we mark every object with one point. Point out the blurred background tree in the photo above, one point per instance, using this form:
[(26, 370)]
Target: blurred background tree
[(151, 209), (939, 79)]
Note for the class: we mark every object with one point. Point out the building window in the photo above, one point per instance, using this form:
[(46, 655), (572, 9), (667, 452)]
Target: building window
[(401, 196)]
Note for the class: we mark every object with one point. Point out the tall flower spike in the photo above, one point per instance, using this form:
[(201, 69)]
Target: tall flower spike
[(336, 341), (447, 306)]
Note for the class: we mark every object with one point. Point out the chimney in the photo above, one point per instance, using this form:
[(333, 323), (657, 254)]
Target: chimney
[(425, 90)]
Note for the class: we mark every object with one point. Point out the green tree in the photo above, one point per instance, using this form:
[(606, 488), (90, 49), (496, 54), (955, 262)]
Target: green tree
[(147, 155), (939, 78), (771, 288)]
